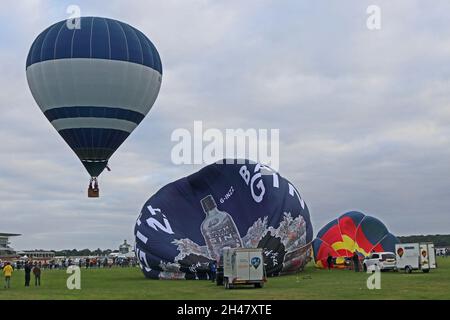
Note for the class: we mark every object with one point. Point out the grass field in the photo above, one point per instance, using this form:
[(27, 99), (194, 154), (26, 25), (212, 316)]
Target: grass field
[(129, 283)]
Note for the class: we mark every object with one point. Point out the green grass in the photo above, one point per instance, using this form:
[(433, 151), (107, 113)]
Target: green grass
[(129, 283)]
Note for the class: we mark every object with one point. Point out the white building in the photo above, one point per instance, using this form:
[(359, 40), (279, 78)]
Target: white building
[(125, 248), (6, 252), (37, 255)]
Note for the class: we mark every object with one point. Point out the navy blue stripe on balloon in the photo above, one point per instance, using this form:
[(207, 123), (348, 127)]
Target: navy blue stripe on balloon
[(98, 38), (91, 138), (373, 229), (388, 243), (94, 112)]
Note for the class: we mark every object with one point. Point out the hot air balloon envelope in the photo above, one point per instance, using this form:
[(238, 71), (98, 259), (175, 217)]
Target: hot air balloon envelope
[(95, 84), (186, 224), (351, 232)]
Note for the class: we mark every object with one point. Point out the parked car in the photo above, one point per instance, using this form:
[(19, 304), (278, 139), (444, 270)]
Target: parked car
[(383, 260)]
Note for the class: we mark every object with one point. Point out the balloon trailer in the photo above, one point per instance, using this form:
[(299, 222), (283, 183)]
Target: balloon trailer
[(243, 267)]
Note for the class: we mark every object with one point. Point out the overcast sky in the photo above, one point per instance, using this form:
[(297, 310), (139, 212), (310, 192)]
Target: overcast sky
[(364, 116)]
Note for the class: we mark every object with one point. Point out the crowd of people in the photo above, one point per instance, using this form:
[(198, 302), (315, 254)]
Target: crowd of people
[(28, 268), (81, 262), (444, 252), (9, 268)]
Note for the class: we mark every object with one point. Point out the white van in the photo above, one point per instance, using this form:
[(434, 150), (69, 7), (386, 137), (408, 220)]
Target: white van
[(415, 256), (243, 266)]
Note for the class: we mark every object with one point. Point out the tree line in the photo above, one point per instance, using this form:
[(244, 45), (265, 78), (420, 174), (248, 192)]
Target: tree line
[(439, 240)]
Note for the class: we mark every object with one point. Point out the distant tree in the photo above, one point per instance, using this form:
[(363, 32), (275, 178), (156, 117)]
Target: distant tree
[(439, 240)]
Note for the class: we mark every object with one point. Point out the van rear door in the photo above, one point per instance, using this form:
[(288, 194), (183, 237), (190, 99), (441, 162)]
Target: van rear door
[(242, 262), (424, 260), (432, 256)]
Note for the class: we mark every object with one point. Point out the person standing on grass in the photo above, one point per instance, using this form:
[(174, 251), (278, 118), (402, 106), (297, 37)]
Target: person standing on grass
[(213, 271), (7, 272), (37, 275), (330, 261), (27, 274), (355, 259)]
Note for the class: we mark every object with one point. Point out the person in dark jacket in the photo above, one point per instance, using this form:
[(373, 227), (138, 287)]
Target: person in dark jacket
[(213, 271), (355, 259), (330, 261), (27, 274)]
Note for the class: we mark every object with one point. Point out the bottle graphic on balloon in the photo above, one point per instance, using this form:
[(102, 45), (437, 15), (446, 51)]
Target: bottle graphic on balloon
[(218, 229)]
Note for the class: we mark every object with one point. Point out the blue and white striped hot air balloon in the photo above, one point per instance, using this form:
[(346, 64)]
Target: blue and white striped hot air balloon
[(95, 84)]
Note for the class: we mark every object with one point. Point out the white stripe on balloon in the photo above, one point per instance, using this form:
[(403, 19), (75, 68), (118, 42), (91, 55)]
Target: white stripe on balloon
[(94, 83), (96, 123)]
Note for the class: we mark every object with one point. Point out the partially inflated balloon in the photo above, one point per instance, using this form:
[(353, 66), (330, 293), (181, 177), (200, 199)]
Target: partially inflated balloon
[(95, 82), (353, 231), (186, 224)]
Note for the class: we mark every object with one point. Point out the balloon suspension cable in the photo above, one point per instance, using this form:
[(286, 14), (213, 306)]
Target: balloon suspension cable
[(93, 190)]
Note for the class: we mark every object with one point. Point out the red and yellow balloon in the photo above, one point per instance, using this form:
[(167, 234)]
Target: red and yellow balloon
[(352, 231)]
